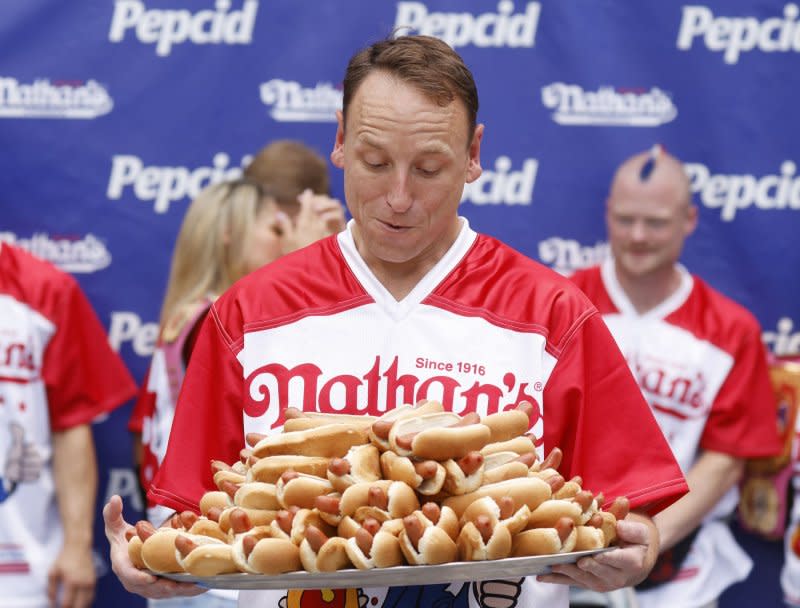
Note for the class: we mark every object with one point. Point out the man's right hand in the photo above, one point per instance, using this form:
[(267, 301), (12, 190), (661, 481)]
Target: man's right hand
[(133, 579)]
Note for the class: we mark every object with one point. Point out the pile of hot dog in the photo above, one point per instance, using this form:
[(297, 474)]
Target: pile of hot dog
[(416, 486)]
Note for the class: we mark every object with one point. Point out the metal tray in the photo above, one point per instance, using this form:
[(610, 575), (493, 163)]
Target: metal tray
[(510, 567)]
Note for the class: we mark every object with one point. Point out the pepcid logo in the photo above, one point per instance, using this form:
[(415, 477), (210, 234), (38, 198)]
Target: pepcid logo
[(732, 193), (734, 35), (166, 28), (784, 340), (501, 29), (44, 98), (502, 186), (608, 106), (128, 327), (565, 256), (165, 185), (289, 101), (70, 253)]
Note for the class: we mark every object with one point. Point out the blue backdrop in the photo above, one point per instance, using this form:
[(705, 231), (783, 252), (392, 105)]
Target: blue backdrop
[(114, 114)]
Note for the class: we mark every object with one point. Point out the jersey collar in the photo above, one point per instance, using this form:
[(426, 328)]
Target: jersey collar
[(466, 237)]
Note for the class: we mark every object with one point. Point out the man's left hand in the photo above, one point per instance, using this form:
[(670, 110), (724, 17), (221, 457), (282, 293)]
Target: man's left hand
[(71, 580), (626, 565)]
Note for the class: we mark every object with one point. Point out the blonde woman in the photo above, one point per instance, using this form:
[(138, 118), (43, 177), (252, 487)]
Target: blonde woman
[(229, 230)]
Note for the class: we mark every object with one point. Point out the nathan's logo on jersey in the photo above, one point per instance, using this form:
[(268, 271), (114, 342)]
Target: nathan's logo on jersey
[(127, 327), (165, 185), (784, 340), (502, 186), (268, 388), (45, 98), (70, 253), (565, 256), (165, 28), (671, 390), (732, 193), (735, 35), (608, 106), (503, 28), (17, 361), (289, 101)]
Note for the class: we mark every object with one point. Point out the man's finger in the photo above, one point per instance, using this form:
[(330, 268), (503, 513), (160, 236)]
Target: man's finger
[(115, 525), (633, 532), (53, 579)]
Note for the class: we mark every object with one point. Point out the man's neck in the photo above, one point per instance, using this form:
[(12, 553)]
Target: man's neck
[(647, 292)]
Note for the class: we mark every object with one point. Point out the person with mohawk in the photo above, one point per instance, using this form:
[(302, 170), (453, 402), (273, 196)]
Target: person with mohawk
[(700, 364)]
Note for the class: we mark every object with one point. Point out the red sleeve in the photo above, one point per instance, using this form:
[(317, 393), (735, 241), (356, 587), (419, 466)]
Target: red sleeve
[(595, 412), (83, 375), (144, 407), (743, 420), (208, 423)]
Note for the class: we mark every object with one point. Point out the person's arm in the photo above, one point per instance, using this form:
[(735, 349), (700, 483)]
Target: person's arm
[(709, 479), (627, 565), (75, 475)]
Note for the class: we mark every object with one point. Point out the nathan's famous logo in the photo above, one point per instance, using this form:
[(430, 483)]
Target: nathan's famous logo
[(565, 256), (608, 106), (732, 193), (45, 98), (17, 360), (165, 185), (503, 28), (670, 391), (70, 253), (502, 186), (268, 388), (165, 28), (734, 35), (784, 340), (289, 101)]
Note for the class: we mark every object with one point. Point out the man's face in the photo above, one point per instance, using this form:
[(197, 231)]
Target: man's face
[(405, 161), (647, 225)]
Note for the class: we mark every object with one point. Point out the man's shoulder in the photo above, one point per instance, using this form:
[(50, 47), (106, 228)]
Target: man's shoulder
[(311, 280), (507, 286), (31, 279), (727, 314)]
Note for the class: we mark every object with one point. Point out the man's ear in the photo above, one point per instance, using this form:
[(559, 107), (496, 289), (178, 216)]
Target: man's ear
[(474, 169), (691, 220), (337, 154)]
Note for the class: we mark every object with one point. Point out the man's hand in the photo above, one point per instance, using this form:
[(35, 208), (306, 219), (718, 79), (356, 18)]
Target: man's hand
[(627, 565), (319, 216), (133, 579), (71, 580)]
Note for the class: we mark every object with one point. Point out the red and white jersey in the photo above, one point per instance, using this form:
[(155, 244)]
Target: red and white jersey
[(57, 371), (700, 362), (485, 329)]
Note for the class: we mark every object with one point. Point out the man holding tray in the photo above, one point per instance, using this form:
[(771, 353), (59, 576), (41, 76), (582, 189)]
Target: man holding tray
[(410, 303)]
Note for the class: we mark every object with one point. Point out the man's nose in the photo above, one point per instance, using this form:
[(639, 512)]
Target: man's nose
[(638, 231), (399, 197)]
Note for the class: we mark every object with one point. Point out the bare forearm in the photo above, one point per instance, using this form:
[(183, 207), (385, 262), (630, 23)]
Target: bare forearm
[(75, 474), (709, 479)]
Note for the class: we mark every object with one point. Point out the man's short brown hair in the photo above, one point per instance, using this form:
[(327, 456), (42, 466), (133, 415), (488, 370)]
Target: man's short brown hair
[(425, 62)]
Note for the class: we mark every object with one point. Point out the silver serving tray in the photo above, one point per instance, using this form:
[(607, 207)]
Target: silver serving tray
[(510, 567)]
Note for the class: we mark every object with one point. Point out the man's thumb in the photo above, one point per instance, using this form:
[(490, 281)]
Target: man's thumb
[(17, 438)]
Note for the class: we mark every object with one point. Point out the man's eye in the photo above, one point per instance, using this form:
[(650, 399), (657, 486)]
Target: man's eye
[(427, 172)]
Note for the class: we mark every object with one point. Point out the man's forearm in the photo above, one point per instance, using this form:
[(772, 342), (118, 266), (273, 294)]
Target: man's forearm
[(709, 479), (75, 474)]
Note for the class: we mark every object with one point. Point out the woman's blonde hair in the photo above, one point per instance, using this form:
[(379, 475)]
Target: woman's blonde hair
[(209, 252)]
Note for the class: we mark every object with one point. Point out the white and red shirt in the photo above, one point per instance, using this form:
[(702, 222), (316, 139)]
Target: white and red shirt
[(701, 365), (485, 329), (57, 371)]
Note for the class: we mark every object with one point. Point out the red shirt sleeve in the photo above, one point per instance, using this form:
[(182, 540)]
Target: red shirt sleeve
[(144, 407), (595, 412), (208, 423), (743, 420), (83, 375)]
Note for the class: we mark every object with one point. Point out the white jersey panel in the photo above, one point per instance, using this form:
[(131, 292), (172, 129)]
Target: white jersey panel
[(398, 361), (679, 375)]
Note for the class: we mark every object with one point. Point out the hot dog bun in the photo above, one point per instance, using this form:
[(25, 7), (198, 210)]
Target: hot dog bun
[(379, 430), (510, 423), (530, 491), (361, 463), (204, 556), (329, 441), (437, 436), (270, 469), (545, 541), (259, 551), (425, 476)]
